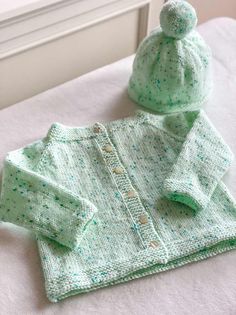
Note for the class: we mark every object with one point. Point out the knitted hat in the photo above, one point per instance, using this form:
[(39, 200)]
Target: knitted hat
[(172, 66)]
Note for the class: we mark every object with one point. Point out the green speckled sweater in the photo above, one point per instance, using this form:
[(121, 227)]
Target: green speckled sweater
[(119, 200)]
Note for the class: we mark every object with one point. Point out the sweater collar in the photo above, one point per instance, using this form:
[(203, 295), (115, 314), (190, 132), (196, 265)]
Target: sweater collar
[(64, 132)]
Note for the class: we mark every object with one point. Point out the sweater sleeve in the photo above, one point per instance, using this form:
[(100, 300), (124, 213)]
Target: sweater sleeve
[(35, 201), (201, 163)]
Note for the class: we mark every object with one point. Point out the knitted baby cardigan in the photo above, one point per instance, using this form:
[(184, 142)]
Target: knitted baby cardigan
[(123, 199)]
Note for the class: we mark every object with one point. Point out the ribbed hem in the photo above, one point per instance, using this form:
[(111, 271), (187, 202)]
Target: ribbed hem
[(159, 108), (145, 263)]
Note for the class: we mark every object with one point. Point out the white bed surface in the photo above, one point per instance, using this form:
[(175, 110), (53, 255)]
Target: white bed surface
[(207, 287)]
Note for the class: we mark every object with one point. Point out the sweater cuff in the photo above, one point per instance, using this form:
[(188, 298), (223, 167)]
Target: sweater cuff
[(186, 193), (76, 224)]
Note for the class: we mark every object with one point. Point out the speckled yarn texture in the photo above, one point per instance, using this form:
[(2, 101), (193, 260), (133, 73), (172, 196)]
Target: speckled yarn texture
[(172, 67), (120, 200)]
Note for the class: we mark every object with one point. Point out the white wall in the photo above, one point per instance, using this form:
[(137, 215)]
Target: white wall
[(113, 34), (38, 69), (207, 9)]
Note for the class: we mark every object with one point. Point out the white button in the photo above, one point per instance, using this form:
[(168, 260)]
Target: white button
[(153, 244), (118, 170), (143, 219), (108, 148), (97, 129), (131, 193)]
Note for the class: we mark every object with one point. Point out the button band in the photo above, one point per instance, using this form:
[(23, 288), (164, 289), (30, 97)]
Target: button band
[(145, 230)]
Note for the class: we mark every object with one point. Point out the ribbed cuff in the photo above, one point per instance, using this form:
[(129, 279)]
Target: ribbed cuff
[(75, 224), (185, 193)]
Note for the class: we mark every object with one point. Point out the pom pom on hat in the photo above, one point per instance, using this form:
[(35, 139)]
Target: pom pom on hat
[(177, 18)]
